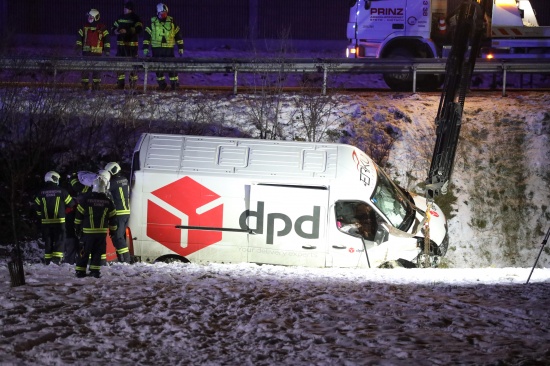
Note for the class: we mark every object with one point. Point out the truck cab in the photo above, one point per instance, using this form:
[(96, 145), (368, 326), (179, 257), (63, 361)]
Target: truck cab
[(396, 29), (416, 29)]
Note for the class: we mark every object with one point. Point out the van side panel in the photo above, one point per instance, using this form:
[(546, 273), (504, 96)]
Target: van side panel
[(289, 225)]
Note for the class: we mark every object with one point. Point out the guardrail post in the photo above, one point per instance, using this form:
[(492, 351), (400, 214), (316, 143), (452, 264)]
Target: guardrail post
[(324, 79), (504, 69), (235, 81), (146, 68), (414, 78)]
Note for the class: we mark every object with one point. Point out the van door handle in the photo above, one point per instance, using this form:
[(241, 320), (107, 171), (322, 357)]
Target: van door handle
[(339, 246), (309, 247)]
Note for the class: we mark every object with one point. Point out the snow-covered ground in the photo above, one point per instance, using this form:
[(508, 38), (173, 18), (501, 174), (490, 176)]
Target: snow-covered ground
[(245, 314)]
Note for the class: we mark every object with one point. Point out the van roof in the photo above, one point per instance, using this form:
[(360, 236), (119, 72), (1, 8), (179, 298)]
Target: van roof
[(249, 157)]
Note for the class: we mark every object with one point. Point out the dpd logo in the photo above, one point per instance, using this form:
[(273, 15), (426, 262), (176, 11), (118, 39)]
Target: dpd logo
[(184, 197)]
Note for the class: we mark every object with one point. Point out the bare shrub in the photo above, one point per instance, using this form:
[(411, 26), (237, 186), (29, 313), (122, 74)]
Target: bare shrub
[(264, 104), (35, 127), (316, 114), (375, 138)]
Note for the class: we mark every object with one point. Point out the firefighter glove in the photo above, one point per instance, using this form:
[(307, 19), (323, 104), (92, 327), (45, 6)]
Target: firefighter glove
[(180, 51), (146, 52)]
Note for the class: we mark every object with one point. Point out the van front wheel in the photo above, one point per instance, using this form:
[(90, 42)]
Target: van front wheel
[(172, 259)]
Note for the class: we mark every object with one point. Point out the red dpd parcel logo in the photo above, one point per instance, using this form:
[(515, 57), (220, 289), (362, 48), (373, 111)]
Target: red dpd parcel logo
[(188, 197)]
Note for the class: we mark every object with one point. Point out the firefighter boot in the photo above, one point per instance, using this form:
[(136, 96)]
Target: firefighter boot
[(80, 274), (133, 80), (84, 86), (95, 86), (95, 274), (126, 258), (174, 85), (162, 85), (120, 84)]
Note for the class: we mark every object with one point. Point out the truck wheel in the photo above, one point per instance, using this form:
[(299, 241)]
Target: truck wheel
[(404, 81)]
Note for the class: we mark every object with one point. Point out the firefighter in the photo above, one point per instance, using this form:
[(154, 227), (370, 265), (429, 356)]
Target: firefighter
[(51, 203), (71, 241), (93, 40), (78, 187), (120, 194), (162, 35), (95, 217), (127, 27)]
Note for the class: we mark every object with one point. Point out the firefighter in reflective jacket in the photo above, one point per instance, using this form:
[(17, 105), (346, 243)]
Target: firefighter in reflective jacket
[(127, 27), (162, 35), (50, 203), (95, 217), (93, 40), (120, 192), (78, 187)]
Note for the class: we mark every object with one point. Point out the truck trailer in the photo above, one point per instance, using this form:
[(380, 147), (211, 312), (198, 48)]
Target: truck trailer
[(407, 29), (233, 200)]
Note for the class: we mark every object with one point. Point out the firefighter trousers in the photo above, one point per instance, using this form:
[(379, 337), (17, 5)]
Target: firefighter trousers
[(54, 242), (93, 245)]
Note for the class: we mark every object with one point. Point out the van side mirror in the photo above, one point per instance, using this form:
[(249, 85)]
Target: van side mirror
[(367, 4)]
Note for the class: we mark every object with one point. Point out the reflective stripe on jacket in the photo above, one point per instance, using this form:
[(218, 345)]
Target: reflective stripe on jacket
[(50, 203), (163, 34), (120, 193), (93, 38), (95, 214), (133, 26)]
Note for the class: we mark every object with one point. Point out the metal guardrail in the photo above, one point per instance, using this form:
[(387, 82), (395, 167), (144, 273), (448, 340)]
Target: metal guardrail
[(273, 65)]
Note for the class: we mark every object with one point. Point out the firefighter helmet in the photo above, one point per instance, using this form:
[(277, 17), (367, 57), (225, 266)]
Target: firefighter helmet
[(93, 13), (162, 8), (52, 176), (99, 185), (129, 5), (113, 168), (105, 175)]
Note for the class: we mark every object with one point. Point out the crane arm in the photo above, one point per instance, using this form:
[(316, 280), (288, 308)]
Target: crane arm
[(458, 74)]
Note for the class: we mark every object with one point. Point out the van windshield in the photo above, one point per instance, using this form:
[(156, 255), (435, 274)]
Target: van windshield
[(392, 202)]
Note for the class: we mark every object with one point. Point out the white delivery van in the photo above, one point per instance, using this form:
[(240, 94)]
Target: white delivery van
[(229, 200)]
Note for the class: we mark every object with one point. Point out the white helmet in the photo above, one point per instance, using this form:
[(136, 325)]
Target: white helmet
[(52, 176), (94, 14), (161, 7), (113, 168), (105, 175), (99, 185)]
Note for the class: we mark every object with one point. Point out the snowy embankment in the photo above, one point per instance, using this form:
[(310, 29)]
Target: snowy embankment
[(500, 186)]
